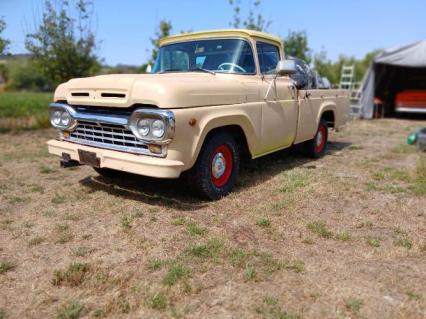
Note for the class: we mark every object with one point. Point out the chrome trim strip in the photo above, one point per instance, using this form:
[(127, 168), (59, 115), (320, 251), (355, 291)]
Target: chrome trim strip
[(91, 117), (411, 109)]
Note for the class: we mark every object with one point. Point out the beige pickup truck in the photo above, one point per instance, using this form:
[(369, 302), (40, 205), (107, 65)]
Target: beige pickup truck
[(213, 98)]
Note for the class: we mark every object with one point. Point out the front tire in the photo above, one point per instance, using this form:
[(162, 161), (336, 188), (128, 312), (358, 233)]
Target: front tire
[(215, 172), (316, 147)]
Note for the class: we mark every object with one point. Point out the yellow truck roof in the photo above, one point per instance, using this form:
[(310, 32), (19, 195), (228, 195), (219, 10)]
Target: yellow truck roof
[(218, 33)]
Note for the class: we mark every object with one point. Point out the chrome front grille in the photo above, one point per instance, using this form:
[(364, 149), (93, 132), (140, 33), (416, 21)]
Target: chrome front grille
[(115, 137)]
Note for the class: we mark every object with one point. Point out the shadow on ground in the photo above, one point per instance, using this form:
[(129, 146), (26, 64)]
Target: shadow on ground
[(177, 193)]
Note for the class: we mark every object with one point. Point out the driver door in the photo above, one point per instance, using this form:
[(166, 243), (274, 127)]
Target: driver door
[(279, 110)]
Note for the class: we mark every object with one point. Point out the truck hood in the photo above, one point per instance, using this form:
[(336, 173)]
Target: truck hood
[(168, 90)]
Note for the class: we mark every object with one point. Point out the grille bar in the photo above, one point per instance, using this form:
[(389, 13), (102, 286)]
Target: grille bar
[(91, 132), (115, 137)]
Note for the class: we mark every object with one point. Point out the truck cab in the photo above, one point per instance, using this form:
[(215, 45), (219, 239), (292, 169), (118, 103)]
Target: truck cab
[(212, 97)]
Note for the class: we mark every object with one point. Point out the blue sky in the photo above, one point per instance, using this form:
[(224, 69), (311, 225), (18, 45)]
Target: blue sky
[(349, 27)]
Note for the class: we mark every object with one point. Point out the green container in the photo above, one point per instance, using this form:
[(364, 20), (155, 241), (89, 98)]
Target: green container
[(412, 138)]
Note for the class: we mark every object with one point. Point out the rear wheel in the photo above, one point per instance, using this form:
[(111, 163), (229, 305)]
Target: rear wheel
[(215, 172), (316, 147)]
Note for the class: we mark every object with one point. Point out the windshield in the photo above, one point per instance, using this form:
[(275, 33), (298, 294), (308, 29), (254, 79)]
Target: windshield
[(216, 55)]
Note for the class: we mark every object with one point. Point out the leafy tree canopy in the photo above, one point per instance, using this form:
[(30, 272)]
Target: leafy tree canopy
[(63, 46), (254, 21), (296, 45), (3, 42)]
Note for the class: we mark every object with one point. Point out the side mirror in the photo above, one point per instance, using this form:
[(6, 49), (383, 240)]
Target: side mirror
[(286, 67)]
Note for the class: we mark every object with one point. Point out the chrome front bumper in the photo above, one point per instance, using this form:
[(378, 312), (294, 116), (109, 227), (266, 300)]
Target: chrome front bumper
[(137, 164)]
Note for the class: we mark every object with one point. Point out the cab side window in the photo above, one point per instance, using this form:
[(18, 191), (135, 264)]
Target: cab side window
[(268, 56)]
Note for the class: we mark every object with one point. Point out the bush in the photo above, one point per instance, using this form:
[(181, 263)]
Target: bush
[(24, 110), (22, 75)]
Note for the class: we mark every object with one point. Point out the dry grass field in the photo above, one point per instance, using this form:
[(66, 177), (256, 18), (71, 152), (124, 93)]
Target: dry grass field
[(339, 237)]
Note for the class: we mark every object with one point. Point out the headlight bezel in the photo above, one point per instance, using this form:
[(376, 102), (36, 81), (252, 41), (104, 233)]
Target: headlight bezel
[(152, 115), (62, 108)]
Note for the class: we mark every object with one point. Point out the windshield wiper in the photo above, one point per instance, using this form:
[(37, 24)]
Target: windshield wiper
[(198, 69)]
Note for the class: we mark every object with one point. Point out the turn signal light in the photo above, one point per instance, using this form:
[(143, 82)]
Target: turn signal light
[(154, 148)]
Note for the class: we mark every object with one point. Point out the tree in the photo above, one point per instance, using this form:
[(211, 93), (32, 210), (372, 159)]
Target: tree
[(296, 45), (23, 75), (63, 47), (332, 70), (3, 42), (253, 21), (164, 30)]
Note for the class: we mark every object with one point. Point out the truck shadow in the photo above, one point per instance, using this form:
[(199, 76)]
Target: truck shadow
[(177, 193)]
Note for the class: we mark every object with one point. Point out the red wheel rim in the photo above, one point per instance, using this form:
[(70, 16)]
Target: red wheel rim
[(320, 139), (221, 165)]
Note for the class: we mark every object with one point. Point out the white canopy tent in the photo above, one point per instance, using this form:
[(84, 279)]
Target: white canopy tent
[(389, 67)]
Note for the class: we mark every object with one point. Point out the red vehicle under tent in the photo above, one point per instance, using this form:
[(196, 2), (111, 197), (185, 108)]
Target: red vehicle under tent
[(395, 83)]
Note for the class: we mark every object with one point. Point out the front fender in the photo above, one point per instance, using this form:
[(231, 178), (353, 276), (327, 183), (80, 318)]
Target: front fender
[(189, 139)]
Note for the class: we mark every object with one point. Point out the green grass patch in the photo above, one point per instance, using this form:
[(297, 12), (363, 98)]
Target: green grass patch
[(72, 310), (373, 241), (179, 221), (195, 230), (403, 149), (270, 309), (58, 199), (263, 222), (24, 110), (353, 304), (63, 233), (73, 276), (419, 185), (44, 169), (238, 257), (157, 301), (404, 242), (414, 295), (155, 264), (126, 222), (6, 265), (295, 265), (320, 228), (175, 273), (250, 273), (293, 180), (343, 236), (209, 250)]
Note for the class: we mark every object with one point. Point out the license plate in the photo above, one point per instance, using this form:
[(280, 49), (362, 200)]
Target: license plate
[(89, 158)]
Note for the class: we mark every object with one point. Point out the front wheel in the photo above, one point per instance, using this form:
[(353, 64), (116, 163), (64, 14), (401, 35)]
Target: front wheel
[(215, 172), (316, 147)]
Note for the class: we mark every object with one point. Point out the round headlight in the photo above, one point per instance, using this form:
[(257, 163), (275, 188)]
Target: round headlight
[(143, 127), (158, 128), (56, 117), (65, 119)]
